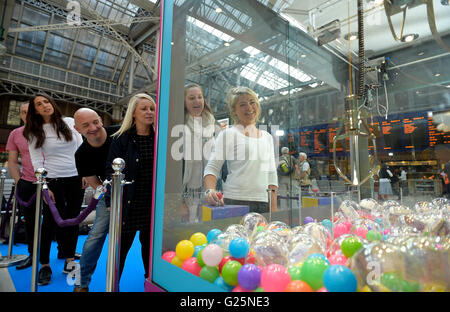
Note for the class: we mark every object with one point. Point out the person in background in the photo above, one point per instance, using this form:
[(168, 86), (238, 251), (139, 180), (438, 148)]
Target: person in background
[(385, 175), (52, 142), (250, 156), (302, 171), (404, 181), (24, 180), (90, 160), (286, 176), (134, 143), (199, 137)]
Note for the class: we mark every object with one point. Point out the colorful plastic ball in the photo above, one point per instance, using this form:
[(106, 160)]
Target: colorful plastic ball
[(337, 259), (350, 246), (361, 232), (327, 223), (250, 258), (221, 283), (275, 278), (295, 272), (212, 255), (318, 255), (259, 289), (322, 289), (168, 255), (308, 220), (373, 235), (212, 234), (200, 259), (209, 274), (339, 229), (298, 286), (184, 249), (260, 228), (312, 272), (197, 250), (224, 260), (249, 276), (238, 247), (392, 281), (348, 226), (230, 272), (198, 239), (191, 266), (239, 288), (177, 261), (339, 278)]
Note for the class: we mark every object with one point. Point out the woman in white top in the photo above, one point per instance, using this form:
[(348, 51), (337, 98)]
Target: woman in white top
[(52, 141), (250, 157), (385, 175), (198, 141)]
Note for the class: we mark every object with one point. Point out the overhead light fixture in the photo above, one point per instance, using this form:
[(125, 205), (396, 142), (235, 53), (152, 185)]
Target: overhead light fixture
[(218, 10), (351, 36), (328, 32), (279, 132), (391, 154), (409, 37), (437, 75), (303, 55), (227, 44), (420, 53)]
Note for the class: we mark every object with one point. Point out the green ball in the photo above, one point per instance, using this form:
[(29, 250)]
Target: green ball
[(260, 229), (312, 272), (209, 274), (230, 272), (373, 236), (294, 272), (259, 289), (350, 246), (410, 286), (392, 281), (200, 259)]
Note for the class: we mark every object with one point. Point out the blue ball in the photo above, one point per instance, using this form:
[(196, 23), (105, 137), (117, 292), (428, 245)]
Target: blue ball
[(327, 223), (212, 234), (221, 283), (319, 255), (197, 250), (239, 247), (339, 278)]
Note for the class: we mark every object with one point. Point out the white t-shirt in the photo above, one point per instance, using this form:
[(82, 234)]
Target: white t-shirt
[(250, 162), (56, 155)]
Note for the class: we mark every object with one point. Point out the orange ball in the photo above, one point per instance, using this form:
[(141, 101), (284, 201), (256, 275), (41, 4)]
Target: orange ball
[(298, 286)]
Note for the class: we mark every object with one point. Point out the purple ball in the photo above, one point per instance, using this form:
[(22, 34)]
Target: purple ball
[(308, 220), (249, 276)]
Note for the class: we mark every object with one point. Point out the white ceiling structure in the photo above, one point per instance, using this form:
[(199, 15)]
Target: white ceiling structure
[(312, 14)]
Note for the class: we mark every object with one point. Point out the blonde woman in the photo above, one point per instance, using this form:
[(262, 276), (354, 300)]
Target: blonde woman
[(134, 143), (198, 141), (250, 157)]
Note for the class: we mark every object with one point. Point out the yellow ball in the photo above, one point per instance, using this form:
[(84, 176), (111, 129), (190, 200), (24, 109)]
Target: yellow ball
[(366, 289), (177, 261), (185, 249), (434, 288), (198, 239)]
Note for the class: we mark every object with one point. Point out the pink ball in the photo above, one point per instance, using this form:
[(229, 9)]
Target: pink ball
[(212, 255), (275, 278), (337, 259), (323, 289), (239, 288), (339, 229), (386, 231), (348, 226), (361, 231), (168, 256), (192, 266)]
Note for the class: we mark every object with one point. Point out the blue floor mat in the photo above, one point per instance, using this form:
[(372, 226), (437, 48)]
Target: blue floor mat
[(132, 277)]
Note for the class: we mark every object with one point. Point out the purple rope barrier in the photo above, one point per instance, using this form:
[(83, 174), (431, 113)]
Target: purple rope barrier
[(24, 203), (5, 219), (68, 222)]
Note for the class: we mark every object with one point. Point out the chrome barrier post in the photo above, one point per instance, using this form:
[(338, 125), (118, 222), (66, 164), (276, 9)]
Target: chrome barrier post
[(300, 205), (269, 194), (41, 174), (10, 259), (115, 226)]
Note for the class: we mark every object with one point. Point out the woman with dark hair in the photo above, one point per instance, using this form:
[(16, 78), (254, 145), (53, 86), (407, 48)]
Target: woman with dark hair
[(52, 141)]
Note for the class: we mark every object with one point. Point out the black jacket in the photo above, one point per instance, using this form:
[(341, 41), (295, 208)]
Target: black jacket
[(124, 147)]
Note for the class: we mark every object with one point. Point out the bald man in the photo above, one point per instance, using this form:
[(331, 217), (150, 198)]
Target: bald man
[(90, 159)]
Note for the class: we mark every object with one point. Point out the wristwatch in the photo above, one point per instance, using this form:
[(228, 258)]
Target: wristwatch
[(208, 191)]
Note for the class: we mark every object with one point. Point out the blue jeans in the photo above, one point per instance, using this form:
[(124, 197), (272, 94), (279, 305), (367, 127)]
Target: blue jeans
[(94, 243)]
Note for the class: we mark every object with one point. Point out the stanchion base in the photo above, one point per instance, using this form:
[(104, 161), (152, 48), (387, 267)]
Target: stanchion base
[(6, 261)]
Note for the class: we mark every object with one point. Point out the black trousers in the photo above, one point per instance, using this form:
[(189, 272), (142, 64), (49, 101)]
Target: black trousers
[(254, 206), (126, 240), (25, 190), (68, 199)]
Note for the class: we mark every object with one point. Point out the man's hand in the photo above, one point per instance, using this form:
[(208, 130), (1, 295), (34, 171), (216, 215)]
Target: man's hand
[(52, 197), (215, 198), (84, 183)]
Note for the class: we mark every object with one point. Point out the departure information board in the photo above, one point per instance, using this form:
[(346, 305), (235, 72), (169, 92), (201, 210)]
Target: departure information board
[(398, 133)]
